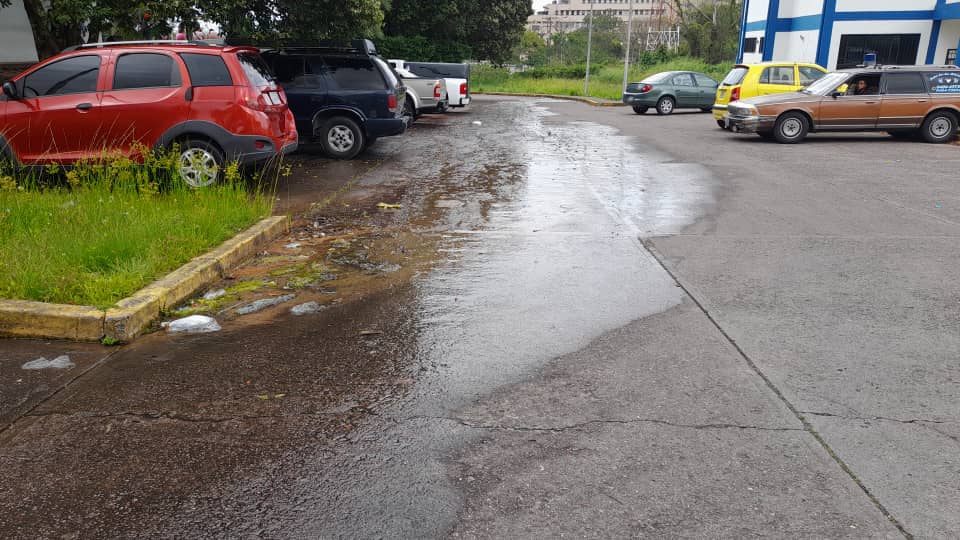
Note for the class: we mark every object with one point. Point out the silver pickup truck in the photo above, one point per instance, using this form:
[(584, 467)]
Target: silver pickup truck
[(423, 94), (456, 75)]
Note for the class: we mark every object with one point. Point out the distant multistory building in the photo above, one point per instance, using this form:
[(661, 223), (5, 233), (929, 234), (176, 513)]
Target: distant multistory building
[(562, 16)]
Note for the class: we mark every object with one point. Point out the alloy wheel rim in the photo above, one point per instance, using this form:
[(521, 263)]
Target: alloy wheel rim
[(198, 167), (667, 106), (340, 138)]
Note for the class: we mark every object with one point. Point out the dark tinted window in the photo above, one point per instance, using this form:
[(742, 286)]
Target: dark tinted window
[(353, 73), (890, 49), (71, 76), (945, 82), (145, 70), (255, 69), (750, 45), (207, 70), (292, 71), (905, 83), (432, 70), (735, 76)]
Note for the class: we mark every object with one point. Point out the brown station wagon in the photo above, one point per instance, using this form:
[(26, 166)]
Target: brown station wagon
[(902, 100)]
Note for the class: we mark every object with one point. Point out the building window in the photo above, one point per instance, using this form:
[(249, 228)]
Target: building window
[(891, 49), (951, 57), (750, 45)]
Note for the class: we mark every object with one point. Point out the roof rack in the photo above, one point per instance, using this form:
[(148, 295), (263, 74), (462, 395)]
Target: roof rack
[(143, 42), (364, 46), (909, 67)]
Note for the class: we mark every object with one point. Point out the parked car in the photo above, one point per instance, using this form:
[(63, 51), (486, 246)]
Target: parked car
[(905, 101), (214, 103), (751, 80), (423, 95), (671, 90), (457, 77), (343, 97)]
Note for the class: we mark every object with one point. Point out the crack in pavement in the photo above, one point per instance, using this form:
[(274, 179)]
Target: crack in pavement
[(581, 425), (915, 421)]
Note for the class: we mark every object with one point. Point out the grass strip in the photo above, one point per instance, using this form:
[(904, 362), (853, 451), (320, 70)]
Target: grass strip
[(605, 81), (95, 234)]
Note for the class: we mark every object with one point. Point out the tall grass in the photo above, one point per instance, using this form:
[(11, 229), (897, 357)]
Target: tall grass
[(96, 233), (605, 81)]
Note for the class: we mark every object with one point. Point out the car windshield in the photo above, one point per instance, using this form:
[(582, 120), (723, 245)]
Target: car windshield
[(826, 84), (659, 77)]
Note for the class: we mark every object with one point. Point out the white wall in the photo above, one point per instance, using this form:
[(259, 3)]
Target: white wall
[(885, 5), (949, 37), (790, 48), (757, 10), (16, 36), (880, 27), (799, 8)]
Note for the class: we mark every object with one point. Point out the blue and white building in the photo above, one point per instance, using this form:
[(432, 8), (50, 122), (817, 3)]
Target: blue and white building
[(839, 34)]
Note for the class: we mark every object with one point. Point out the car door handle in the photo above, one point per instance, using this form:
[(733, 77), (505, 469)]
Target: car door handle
[(84, 106), (871, 102), (921, 101)]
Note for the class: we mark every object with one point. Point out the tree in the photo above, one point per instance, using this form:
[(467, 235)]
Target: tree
[(495, 27), (711, 30)]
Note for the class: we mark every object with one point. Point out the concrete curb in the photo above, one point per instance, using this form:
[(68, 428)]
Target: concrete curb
[(24, 318), (588, 101)]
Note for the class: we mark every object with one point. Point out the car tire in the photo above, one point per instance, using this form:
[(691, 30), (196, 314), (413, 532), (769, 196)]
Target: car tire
[(939, 127), (721, 124), (200, 163), (409, 109), (341, 137), (666, 105), (791, 128), (640, 109)]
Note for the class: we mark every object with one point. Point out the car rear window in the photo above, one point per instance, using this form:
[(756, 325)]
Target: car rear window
[(255, 69), (659, 77), (145, 70), (207, 69), (354, 73), (735, 76)]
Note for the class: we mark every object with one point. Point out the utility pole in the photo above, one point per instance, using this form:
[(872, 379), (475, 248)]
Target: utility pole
[(586, 85), (626, 59)]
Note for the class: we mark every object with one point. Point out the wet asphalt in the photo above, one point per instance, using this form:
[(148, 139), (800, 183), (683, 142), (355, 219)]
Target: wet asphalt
[(561, 321)]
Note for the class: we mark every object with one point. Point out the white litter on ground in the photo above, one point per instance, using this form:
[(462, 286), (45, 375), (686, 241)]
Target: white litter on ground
[(213, 295), (60, 362), (477, 123), (194, 324), (292, 245)]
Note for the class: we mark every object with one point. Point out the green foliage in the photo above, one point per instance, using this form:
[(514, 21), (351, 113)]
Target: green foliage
[(711, 31), (96, 233), (422, 49)]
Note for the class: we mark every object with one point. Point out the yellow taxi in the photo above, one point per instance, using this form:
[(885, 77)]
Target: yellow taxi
[(751, 80)]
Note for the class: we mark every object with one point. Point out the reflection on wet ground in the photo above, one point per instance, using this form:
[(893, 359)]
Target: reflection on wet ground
[(496, 248)]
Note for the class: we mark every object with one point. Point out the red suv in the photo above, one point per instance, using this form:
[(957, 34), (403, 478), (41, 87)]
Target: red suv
[(215, 104)]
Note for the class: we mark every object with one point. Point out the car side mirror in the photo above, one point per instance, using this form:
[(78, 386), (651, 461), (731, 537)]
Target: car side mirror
[(836, 94), (10, 90)]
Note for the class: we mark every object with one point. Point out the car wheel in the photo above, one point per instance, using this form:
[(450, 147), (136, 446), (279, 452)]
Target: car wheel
[(665, 105), (721, 124), (200, 163), (341, 137), (640, 109), (939, 127), (409, 109), (791, 128)]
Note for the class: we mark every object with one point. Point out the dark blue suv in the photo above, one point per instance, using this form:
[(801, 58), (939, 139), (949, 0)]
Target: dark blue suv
[(345, 98)]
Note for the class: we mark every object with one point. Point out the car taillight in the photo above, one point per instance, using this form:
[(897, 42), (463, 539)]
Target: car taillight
[(735, 94), (436, 91), (463, 89), (645, 88), (392, 102)]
